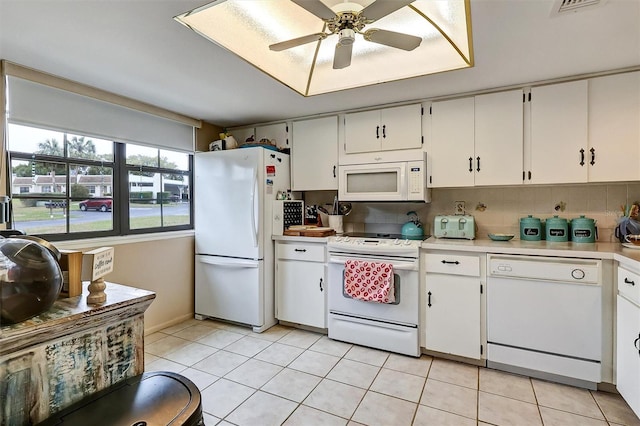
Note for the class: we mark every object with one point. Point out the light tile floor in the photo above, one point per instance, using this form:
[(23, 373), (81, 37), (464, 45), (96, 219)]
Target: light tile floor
[(295, 377)]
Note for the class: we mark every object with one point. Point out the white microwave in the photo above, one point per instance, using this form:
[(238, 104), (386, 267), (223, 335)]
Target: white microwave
[(394, 181)]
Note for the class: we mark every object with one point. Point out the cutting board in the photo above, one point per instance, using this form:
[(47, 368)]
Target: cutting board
[(310, 232)]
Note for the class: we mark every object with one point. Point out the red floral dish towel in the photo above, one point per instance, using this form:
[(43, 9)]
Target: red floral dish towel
[(369, 281)]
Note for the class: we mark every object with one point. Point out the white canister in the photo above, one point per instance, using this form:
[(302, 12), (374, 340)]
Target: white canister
[(335, 222)]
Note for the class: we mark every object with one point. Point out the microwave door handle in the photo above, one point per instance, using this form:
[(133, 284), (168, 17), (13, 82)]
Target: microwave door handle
[(254, 226)]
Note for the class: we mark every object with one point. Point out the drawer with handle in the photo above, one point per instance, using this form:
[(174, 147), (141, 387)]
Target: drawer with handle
[(454, 264), (301, 251), (629, 285)]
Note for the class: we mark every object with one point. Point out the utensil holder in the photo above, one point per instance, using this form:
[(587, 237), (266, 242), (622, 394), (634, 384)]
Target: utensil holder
[(335, 222)]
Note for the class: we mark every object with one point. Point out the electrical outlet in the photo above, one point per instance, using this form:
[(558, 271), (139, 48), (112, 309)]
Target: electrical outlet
[(458, 207)]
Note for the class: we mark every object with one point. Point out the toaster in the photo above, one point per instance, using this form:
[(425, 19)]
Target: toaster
[(455, 226)]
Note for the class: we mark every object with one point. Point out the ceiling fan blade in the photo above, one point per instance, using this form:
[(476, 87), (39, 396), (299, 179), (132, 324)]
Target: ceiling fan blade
[(316, 7), (381, 8), (294, 42), (392, 38), (342, 56)]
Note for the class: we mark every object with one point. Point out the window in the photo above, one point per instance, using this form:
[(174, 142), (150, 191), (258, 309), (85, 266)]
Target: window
[(159, 187), (65, 185)]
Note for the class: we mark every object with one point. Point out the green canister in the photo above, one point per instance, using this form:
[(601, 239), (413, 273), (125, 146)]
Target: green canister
[(583, 230), (530, 228), (557, 229)]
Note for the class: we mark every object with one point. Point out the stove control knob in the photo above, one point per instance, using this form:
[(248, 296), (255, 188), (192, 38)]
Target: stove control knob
[(407, 242), (338, 239), (346, 239), (396, 241)]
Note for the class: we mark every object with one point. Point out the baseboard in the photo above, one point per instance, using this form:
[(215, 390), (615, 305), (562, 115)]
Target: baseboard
[(166, 324)]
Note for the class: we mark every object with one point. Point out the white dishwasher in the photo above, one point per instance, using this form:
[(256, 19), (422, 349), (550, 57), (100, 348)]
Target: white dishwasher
[(544, 317)]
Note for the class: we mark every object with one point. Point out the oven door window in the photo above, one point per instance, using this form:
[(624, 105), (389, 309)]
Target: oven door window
[(396, 290)]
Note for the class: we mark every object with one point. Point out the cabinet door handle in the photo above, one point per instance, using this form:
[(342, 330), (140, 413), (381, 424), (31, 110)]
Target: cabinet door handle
[(334, 171), (581, 157), (429, 299), (478, 159), (470, 164), (384, 130), (377, 132), (635, 344), (593, 156), (448, 262), (321, 289), (628, 281), (529, 174), (301, 250)]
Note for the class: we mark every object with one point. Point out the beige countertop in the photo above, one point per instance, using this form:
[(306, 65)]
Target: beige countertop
[(300, 239), (599, 250)]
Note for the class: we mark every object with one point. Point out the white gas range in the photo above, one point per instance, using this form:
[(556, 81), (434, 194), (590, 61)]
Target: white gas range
[(388, 326)]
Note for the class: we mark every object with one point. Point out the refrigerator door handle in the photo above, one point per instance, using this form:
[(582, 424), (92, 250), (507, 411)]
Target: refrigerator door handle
[(254, 226), (231, 264)]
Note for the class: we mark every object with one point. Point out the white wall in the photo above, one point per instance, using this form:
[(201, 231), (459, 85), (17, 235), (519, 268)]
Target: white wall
[(165, 267)]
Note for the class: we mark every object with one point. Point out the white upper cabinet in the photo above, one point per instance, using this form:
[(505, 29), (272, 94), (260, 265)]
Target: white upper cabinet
[(314, 154), (499, 138), (614, 128), (451, 148), (383, 130), (274, 132), (477, 140), (559, 133)]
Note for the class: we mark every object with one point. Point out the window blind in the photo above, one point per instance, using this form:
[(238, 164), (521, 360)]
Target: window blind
[(40, 105)]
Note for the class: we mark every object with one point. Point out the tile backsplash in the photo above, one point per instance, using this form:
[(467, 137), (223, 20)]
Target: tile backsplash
[(496, 209)]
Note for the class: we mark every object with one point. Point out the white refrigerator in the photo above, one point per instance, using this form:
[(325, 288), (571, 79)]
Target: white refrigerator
[(234, 265)]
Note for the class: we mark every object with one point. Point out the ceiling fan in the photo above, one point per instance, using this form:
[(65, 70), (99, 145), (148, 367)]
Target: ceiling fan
[(348, 19)]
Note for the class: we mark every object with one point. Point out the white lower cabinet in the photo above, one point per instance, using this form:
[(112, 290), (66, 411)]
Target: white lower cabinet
[(628, 338), (301, 283), (453, 304)]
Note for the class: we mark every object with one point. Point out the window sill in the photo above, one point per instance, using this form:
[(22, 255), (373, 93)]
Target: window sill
[(128, 239)]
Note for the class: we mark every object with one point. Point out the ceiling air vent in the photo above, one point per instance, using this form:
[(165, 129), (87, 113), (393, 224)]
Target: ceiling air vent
[(562, 7)]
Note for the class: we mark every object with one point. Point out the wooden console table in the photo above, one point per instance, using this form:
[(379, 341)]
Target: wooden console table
[(72, 350)]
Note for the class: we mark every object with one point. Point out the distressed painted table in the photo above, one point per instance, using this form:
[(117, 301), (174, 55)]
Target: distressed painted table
[(56, 358)]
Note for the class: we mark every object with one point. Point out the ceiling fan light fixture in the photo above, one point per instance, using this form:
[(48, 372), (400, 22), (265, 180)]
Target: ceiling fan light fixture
[(296, 41), (346, 36), (346, 7)]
